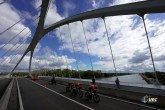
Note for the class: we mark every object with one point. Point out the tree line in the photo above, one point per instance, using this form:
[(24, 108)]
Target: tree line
[(88, 74)]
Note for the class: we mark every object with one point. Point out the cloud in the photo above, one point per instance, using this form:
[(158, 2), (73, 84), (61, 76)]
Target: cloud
[(49, 60), (68, 7), (52, 14), (17, 48), (139, 57), (9, 16), (10, 61), (97, 4), (160, 58), (119, 2)]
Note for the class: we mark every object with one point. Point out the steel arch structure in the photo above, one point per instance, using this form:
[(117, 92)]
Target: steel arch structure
[(139, 8)]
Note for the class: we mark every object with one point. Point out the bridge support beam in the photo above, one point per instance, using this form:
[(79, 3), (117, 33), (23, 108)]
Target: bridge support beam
[(30, 62)]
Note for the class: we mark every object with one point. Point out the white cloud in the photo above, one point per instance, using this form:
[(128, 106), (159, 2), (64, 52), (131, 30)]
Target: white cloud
[(10, 61), (49, 60), (16, 48), (97, 3), (68, 7), (9, 16), (119, 2), (52, 14)]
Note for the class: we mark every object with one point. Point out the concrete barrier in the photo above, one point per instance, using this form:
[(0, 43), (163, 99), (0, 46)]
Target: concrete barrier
[(111, 90), (6, 96)]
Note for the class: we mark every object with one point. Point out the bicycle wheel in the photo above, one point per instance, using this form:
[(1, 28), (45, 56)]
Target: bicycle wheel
[(74, 91), (88, 95), (67, 89), (96, 98), (80, 94)]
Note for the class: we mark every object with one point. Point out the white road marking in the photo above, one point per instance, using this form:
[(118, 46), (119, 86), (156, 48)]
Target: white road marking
[(64, 96), (19, 96)]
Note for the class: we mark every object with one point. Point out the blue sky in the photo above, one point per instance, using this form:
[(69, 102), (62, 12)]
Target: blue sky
[(126, 33)]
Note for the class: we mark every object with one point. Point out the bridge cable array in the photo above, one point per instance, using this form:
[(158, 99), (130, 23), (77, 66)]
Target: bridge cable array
[(19, 46), (74, 51), (18, 21), (14, 37), (14, 46)]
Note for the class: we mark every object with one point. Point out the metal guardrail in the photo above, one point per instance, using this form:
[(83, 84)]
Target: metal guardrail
[(6, 96)]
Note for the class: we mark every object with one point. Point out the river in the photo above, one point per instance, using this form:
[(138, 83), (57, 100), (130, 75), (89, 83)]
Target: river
[(133, 78)]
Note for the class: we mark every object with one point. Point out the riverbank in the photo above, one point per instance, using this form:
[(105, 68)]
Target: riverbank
[(150, 77)]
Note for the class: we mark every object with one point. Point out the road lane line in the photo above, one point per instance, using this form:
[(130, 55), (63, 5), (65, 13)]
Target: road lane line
[(19, 96), (64, 96)]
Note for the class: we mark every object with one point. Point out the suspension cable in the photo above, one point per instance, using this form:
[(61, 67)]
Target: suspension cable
[(74, 50), (156, 78), (20, 45), (13, 57), (88, 49), (64, 52), (110, 47), (14, 44), (18, 33), (17, 22)]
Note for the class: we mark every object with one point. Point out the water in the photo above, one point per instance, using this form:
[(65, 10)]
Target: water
[(134, 78)]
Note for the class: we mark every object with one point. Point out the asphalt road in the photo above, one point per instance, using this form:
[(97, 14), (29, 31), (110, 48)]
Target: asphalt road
[(53, 97), (3, 85), (35, 97)]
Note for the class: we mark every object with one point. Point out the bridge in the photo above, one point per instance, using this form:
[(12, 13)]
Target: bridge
[(24, 93)]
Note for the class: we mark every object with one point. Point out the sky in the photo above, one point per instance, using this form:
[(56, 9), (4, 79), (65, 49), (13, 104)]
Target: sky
[(55, 50)]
